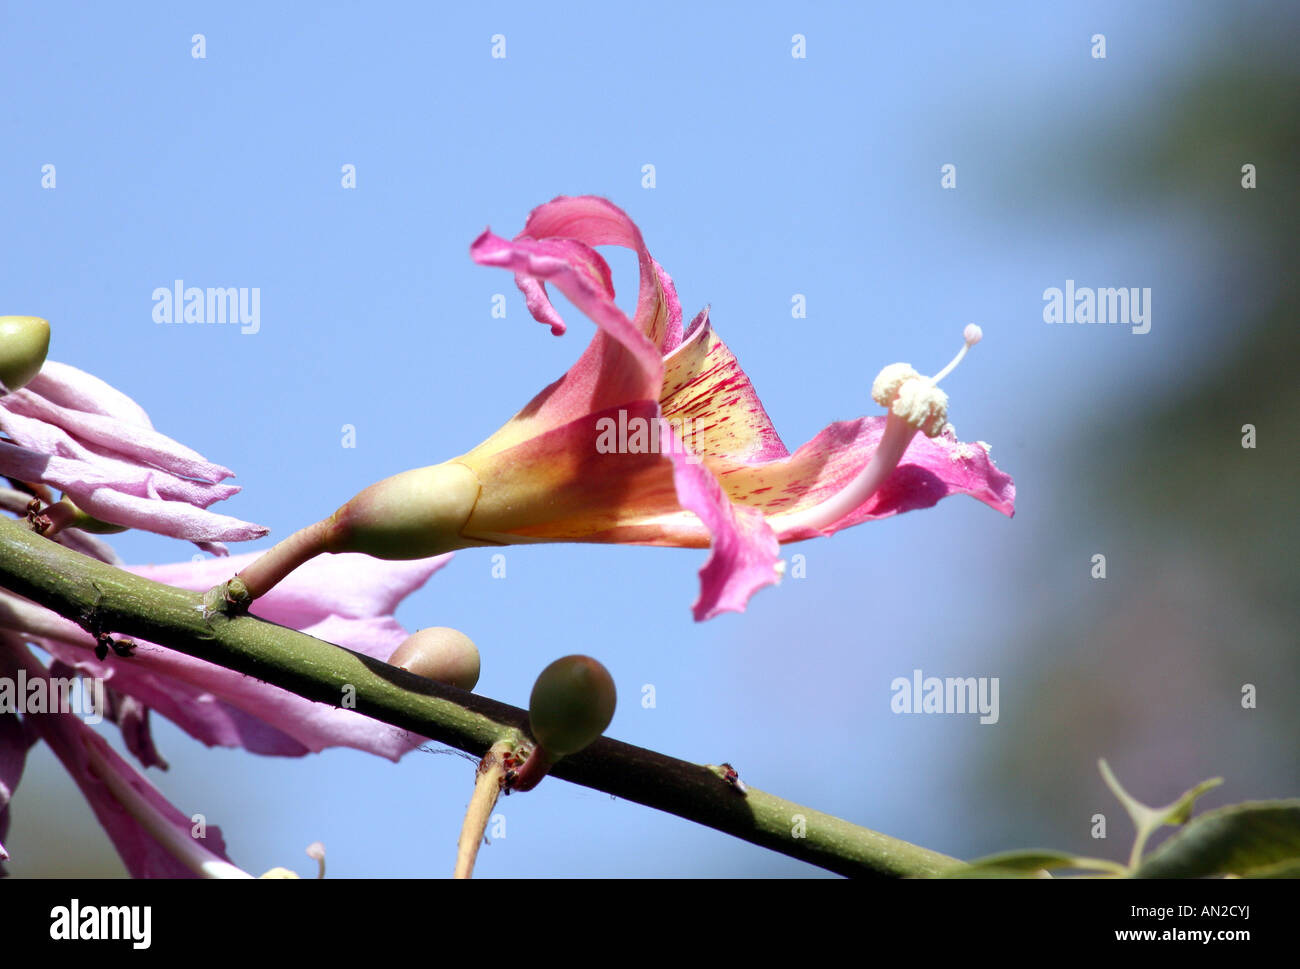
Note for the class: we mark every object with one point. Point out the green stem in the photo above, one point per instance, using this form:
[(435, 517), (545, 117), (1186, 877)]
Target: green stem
[(268, 569), (85, 591)]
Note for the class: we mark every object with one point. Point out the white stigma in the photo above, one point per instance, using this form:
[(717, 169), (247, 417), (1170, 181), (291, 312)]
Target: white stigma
[(973, 334)]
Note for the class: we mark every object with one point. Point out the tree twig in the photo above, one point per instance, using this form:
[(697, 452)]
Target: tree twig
[(87, 591)]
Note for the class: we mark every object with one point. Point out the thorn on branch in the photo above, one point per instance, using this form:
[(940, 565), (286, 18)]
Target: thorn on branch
[(732, 777)]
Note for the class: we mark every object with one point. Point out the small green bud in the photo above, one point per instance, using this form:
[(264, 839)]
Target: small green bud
[(24, 341), (411, 515), (572, 703), (439, 653)]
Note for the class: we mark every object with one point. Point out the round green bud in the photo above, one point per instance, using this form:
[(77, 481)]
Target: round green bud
[(572, 703), (24, 341), (439, 653), (411, 515)]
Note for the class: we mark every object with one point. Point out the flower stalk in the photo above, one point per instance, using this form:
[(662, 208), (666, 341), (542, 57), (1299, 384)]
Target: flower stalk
[(487, 788)]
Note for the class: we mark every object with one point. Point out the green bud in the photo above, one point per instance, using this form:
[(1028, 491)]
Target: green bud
[(411, 515), (24, 341), (439, 653), (572, 703)]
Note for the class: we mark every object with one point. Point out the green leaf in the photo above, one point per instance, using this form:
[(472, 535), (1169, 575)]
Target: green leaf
[(1027, 864), (1145, 817), (1283, 869), (1181, 809), (1254, 837), (1147, 820)]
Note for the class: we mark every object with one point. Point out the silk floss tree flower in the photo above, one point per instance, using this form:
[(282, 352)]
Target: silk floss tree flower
[(67, 429), (654, 437), (71, 430)]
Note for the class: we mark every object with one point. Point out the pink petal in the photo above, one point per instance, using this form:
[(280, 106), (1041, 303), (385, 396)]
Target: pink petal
[(92, 488), (632, 363), (619, 364), (69, 387), (89, 545), (575, 491), (347, 584), (222, 708), (744, 549), (132, 719), (13, 755), (931, 469), (109, 469), (712, 404), (564, 485), (68, 736), (131, 442), (596, 221), (175, 518), (584, 259)]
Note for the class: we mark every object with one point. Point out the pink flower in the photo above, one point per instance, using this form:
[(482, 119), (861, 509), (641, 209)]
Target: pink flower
[(656, 436), (71, 431), (345, 599)]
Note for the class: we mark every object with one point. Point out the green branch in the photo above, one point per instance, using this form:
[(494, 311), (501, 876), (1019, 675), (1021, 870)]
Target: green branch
[(92, 593)]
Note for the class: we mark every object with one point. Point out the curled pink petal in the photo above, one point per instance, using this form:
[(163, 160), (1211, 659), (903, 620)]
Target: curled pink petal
[(632, 360), (595, 221)]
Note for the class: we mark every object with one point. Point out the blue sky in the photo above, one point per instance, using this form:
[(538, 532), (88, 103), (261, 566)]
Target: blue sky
[(774, 176)]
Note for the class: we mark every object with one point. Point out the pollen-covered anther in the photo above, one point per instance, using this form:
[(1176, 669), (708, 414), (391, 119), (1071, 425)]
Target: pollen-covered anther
[(922, 405), (885, 388), (915, 398)]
